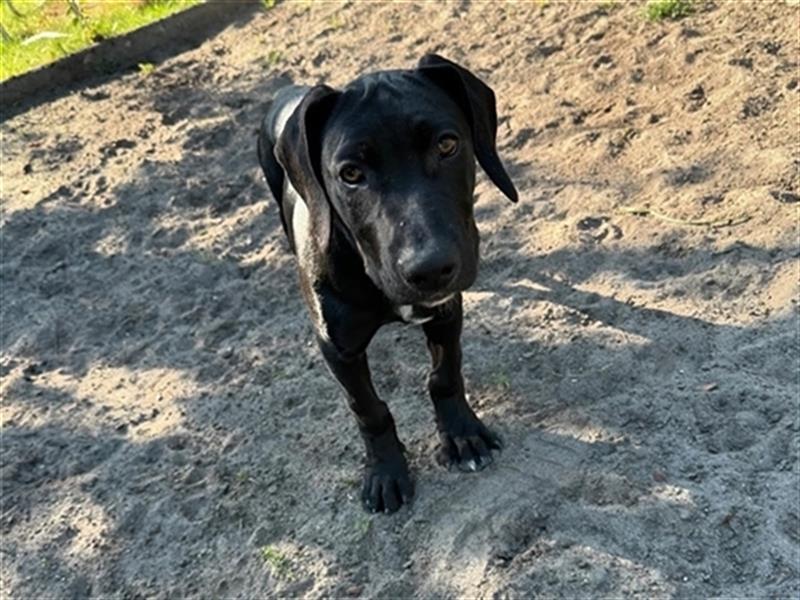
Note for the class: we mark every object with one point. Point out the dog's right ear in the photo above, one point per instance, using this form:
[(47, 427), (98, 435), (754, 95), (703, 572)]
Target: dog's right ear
[(298, 150)]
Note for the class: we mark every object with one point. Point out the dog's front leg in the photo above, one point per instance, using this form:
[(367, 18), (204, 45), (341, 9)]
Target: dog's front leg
[(465, 442), (387, 484)]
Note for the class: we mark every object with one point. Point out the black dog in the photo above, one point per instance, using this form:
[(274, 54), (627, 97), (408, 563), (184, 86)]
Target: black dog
[(375, 188)]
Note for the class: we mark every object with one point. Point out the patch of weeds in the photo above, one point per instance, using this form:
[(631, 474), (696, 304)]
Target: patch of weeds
[(274, 57), (278, 563), (362, 526), (207, 255), (337, 21), (350, 480), (242, 477), (279, 373), (658, 10), (269, 60), (501, 380), (267, 4), (146, 68)]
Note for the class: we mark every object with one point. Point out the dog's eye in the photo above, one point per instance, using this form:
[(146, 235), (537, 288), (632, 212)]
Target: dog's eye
[(447, 145), (351, 174)]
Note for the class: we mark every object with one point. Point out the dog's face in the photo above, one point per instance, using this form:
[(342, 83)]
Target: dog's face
[(399, 169), (393, 156)]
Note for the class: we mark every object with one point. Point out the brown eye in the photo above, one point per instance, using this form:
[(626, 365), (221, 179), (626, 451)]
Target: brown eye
[(351, 174), (447, 146)]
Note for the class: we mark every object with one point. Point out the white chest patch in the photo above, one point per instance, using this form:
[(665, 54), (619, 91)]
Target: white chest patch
[(407, 313), (422, 312)]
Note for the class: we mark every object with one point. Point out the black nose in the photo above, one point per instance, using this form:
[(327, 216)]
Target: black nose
[(430, 271)]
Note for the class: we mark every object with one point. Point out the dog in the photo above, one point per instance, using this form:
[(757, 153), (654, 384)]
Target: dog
[(375, 186)]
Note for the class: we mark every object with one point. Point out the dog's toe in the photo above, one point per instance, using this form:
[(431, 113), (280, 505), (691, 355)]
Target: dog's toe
[(468, 453), (367, 497), (391, 497), (386, 488), (481, 450)]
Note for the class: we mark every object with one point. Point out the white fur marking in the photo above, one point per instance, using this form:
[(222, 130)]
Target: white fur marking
[(437, 302), (318, 320), (406, 312), (284, 114), (301, 228)]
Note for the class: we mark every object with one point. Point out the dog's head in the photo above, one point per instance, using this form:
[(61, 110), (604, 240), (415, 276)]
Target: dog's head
[(392, 159)]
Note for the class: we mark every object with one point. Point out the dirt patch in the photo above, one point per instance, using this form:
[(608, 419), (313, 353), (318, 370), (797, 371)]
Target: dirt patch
[(169, 429)]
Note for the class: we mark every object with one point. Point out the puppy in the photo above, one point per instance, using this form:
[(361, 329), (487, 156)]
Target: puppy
[(375, 188)]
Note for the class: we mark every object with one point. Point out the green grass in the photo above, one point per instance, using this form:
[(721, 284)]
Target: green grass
[(500, 380), (146, 68), (658, 10), (278, 563), (36, 32), (362, 526)]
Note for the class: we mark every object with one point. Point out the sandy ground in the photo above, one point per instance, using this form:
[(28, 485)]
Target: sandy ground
[(168, 429)]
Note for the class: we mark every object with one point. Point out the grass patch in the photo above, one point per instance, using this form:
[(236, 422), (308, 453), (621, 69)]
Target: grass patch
[(337, 21), (500, 379), (658, 10), (146, 68), (279, 564), (362, 526), (34, 33), (274, 57)]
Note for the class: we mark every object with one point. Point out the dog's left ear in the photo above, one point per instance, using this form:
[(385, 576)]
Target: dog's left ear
[(477, 101)]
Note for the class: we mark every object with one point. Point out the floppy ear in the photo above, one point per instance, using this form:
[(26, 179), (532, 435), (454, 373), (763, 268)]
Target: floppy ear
[(477, 101), (298, 150)]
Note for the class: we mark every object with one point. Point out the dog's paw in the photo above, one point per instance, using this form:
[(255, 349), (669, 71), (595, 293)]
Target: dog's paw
[(387, 485), (467, 445)]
